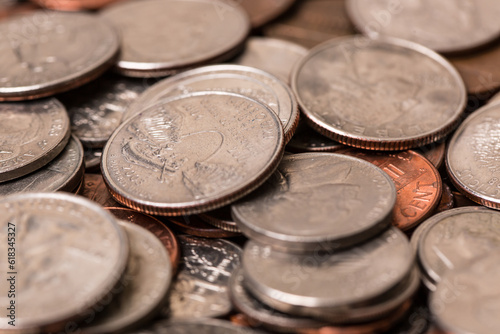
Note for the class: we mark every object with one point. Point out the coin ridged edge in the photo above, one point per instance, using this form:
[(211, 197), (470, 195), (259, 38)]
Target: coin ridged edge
[(219, 224)]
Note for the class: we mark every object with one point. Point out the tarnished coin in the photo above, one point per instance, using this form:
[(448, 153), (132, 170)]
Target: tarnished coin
[(64, 173), (31, 134), (418, 184), (192, 32), (243, 80), (453, 238), (326, 285), (201, 289), (272, 55), (318, 201), (197, 326), (472, 158), (305, 139), (192, 153), (379, 95), (263, 11), (95, 189), (194, 225), (96, 109), (69, 255), (142, 290), (153, 225), (221, 218), (40, 55), (444, 26), (466, 299)]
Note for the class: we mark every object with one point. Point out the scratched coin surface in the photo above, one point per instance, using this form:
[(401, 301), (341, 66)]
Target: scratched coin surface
[(143, 288), (306, 284), (243, 80), (192, 153), (380, 94), (64, 173), (446, 26), (418, 184), (31, 134), (472, 157), (473, 307), (453, 238), (96, 109), (272, 55), (201, 289), (70, 254), (318, 201), (204, 30), (40, 57)]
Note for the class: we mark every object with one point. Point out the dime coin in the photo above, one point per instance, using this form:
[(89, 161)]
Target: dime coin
[(31, 135), (306, 139), (272, 55), (40, 55), (243, 80), (71, 253), (418, 184), (205, 326), (198, 227), (64, 173), (142, 290), (221, 218), (192, 32), (263, 11), (96, 109), (201, 289), (318, 201), (472, 157), (95, 189), (445, 27), (192, 153), (153, 225), (327, 285), (379, 95), (474, 306)]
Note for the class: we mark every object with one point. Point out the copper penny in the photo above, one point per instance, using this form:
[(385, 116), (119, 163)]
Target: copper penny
[(193, 225), (95, 190), (153, 225), (461, 200), (12, 7), (434, 152), (263, 11), (220, 218), (417, 181), (73, 5), (447, 200)]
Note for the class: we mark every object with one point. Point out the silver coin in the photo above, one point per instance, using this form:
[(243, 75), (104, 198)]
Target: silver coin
[(494, 99), (70, 254), (318, 201), (472, 157), (92, 158), (193, 153), (379, 95), (205, 327), (47, 52), (96, 109), (466, 299), (272, 55), (192, 32), (143, 289), (31, 134), (64, 173), (243, 80), (201, 289), (455, 237), (321, 284), (444, 26)]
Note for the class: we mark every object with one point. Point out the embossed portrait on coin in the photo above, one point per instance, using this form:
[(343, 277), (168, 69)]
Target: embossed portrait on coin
[(17, 129)]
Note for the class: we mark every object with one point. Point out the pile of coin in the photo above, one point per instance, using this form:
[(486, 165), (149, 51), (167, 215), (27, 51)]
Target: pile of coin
[(196, 208)]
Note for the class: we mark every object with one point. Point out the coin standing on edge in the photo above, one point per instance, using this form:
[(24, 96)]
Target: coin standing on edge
[(379, 94), (193, 153), (40, 55), (31, 135)]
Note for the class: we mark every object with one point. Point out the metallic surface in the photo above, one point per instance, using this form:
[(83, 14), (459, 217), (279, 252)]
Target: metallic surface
[(205, 327), (95, 189), (433, 152), (92, 158), (264, 11), (221, 218), (305, 139), (194, 225)]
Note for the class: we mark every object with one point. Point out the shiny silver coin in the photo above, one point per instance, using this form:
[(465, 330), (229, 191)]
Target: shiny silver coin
[(70, 255), (380, 95), (192, 153), (197, 326), (272, 55), (247, 81), (318, 201), (455, 237), (201, 289), (143, 288), (31, 135), (444, 26), (64, 173), (96, 109), (323, 284), (466, 299), (48, 52), (192, 32)]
